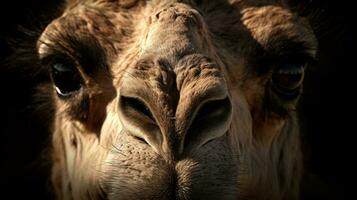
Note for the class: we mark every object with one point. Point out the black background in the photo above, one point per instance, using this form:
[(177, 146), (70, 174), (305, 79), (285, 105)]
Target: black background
[(327, 107)]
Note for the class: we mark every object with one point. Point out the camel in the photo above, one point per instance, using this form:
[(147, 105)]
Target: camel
[(176, 99)]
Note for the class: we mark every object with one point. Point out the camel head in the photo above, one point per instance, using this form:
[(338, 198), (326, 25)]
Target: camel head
[(176, 99)]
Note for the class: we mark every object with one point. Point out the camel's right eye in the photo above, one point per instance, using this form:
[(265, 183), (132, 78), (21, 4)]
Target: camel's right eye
[(66, 79)]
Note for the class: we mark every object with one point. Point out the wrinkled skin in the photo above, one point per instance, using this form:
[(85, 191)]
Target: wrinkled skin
[(176, 99)]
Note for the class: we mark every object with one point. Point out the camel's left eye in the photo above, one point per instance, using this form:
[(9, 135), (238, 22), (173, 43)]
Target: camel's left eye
[(287, 80), (66, 79)]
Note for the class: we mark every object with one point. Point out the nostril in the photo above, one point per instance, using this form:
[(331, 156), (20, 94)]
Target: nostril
[(137, 105), (211, 121), (139, 122), (213, 108)]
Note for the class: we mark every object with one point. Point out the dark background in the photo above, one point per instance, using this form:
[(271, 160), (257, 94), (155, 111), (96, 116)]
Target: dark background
[(327, 107)]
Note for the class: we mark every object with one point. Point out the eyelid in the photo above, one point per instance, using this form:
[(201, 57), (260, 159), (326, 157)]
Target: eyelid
[(51, 59), (297, 59)]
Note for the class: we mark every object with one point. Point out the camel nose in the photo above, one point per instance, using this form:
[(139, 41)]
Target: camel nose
[(202, 115), (137, 118), (202, 123)]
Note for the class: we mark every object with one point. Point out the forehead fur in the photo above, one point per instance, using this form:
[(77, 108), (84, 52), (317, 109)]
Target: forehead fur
[(274, 27)]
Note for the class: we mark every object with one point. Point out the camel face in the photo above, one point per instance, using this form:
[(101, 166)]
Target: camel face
[(168, 100)]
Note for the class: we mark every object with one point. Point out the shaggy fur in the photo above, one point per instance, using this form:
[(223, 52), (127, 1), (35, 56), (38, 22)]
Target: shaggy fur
[(176, 58)]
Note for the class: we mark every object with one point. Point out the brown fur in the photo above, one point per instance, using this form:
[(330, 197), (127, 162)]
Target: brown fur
[(174, 56)]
